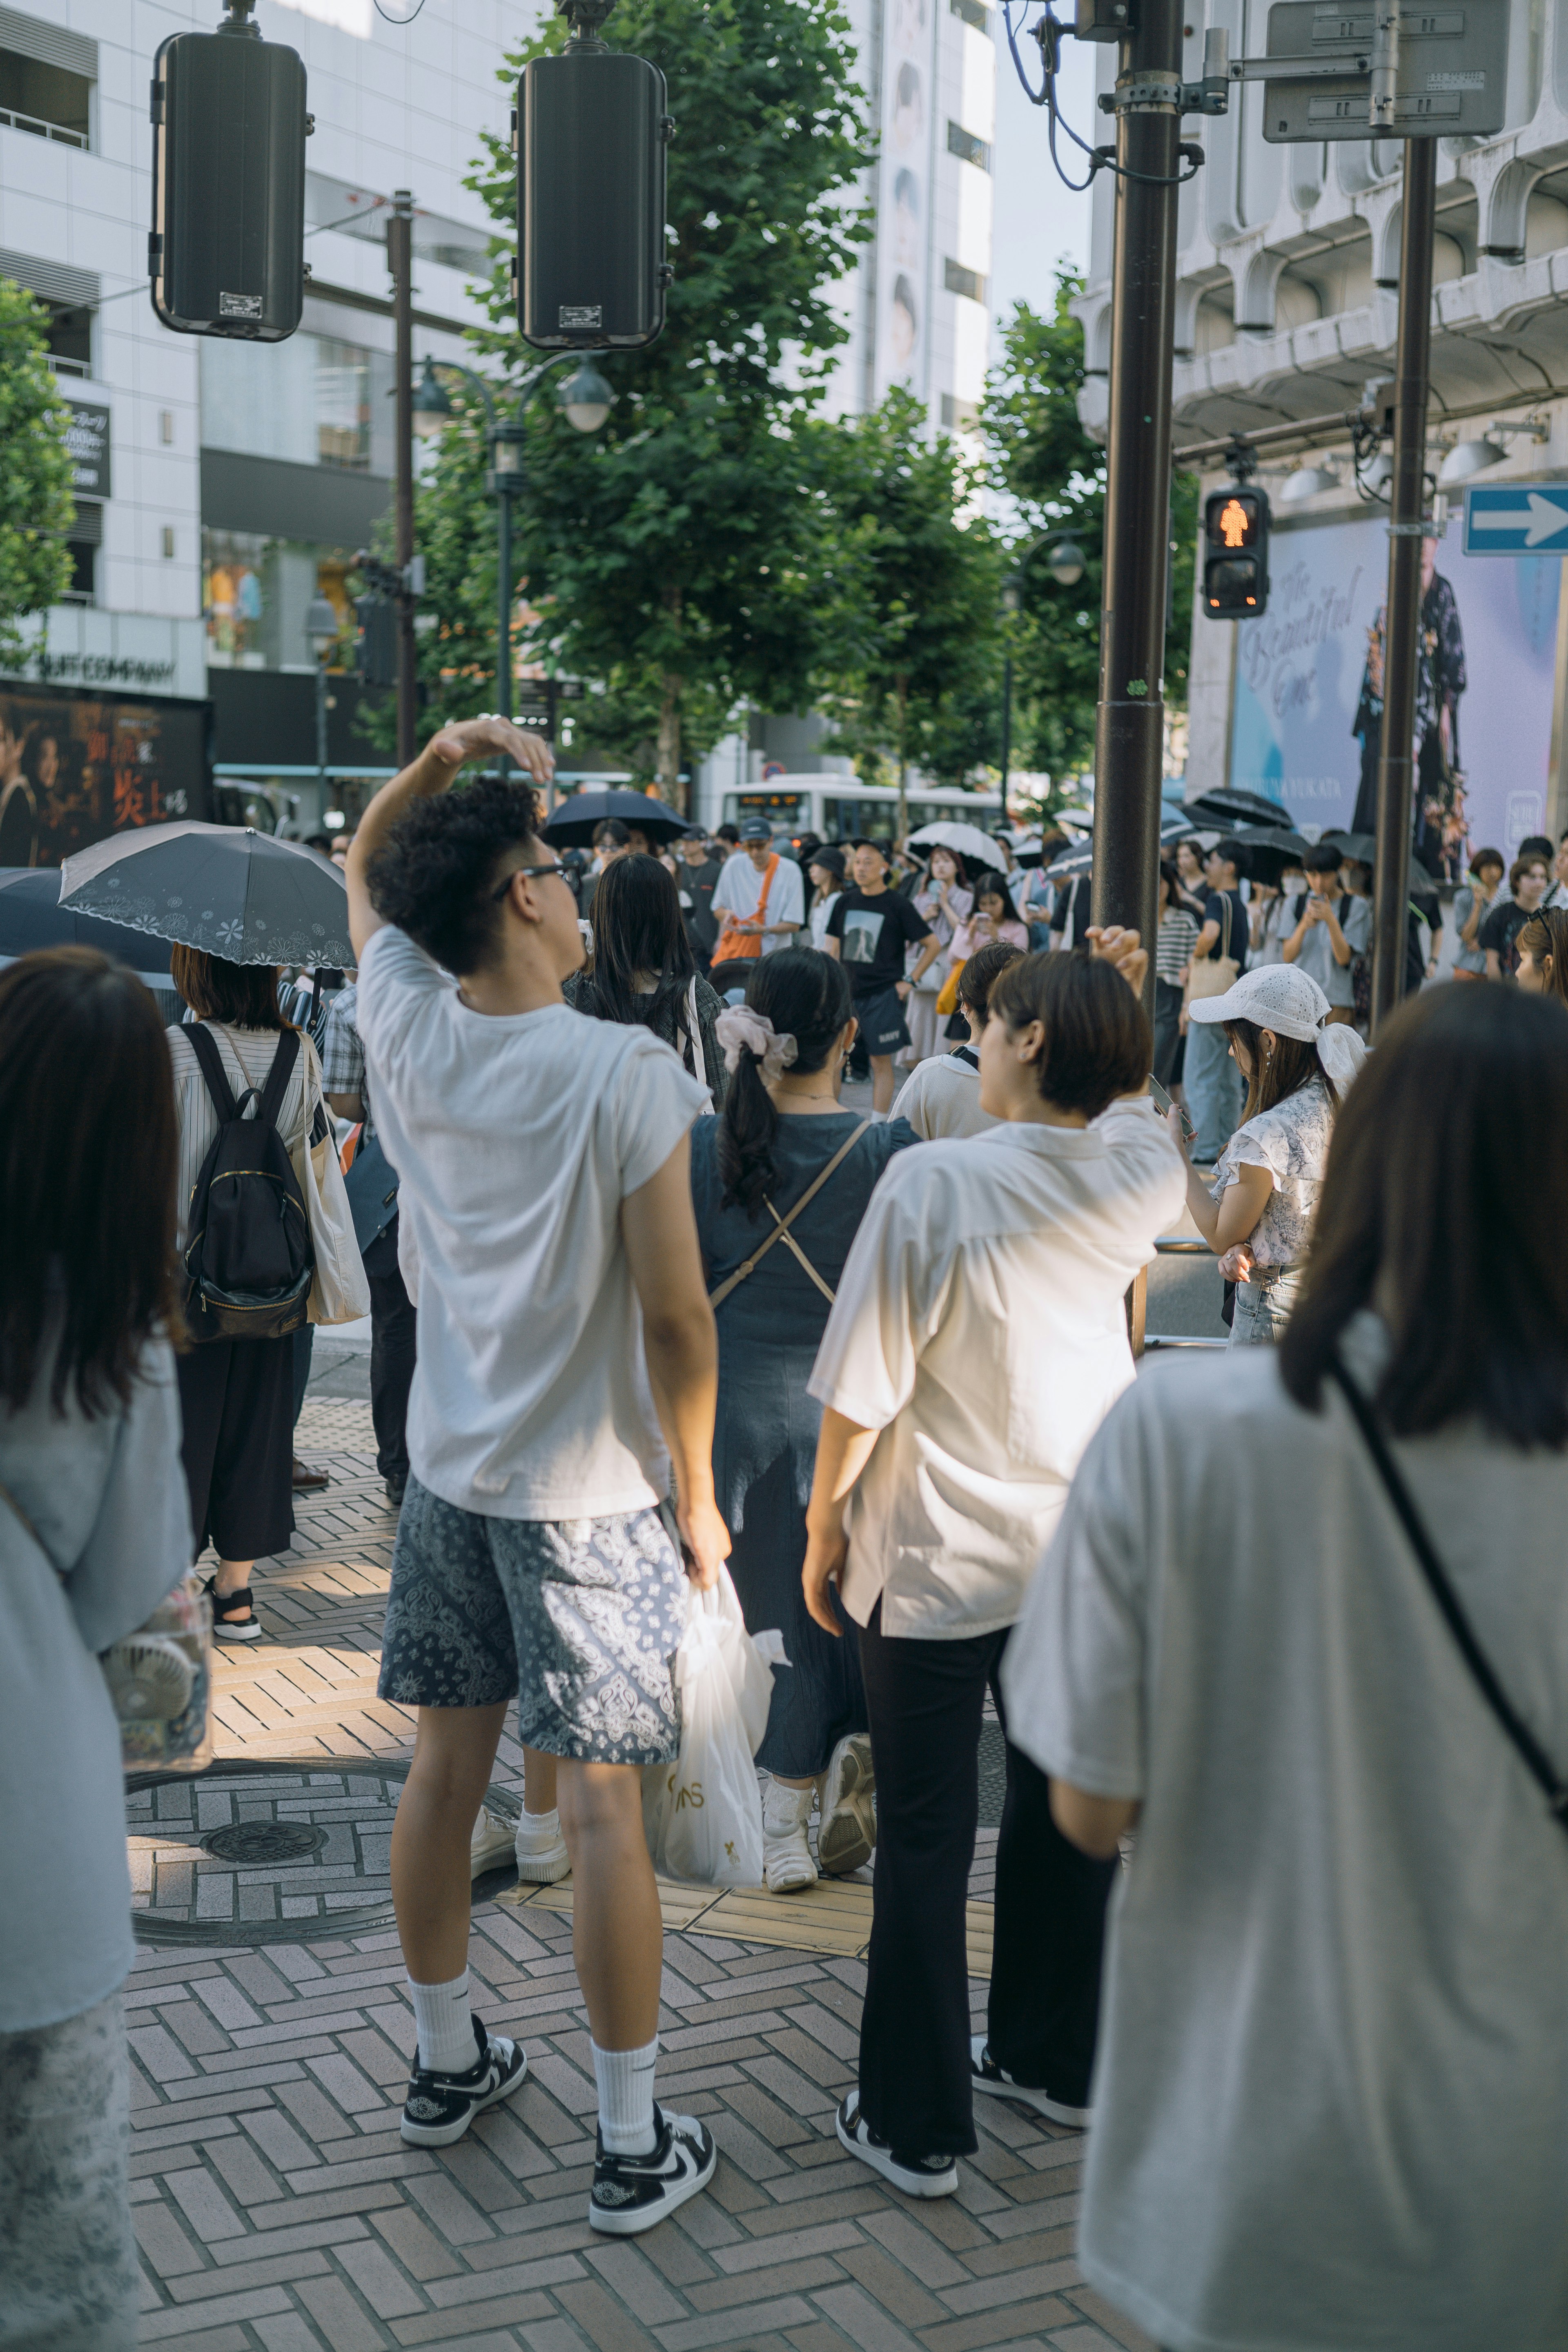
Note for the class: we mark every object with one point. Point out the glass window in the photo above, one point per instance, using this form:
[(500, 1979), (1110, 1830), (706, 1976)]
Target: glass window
[(45, 100), (70, 341), (256, 594), (311, 401)]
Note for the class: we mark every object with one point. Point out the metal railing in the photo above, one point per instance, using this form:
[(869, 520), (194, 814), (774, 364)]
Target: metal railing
[(40, 129), (1167, 1245)]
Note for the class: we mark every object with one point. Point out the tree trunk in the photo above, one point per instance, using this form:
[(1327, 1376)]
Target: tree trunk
[(669, 754)]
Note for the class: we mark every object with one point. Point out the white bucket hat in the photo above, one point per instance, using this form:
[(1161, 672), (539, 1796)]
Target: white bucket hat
[(1277, 996)]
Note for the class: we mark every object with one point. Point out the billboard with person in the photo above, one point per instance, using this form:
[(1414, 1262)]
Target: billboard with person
[(76, 765), (1307, 716)]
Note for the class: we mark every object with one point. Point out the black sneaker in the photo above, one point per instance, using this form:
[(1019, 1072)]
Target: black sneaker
[(632, 2192), (917, 2176), (439, 2108), (984, 2074)]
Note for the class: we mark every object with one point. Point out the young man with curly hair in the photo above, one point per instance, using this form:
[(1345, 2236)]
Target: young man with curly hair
[(567, 1362)]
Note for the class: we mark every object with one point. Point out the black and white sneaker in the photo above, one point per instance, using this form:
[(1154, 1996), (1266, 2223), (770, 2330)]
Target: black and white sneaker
[(917, 2176), (984, 2074), (439, 2108), (632, 2192)]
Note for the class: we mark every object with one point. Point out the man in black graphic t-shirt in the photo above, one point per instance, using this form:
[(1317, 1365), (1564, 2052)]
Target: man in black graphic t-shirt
[(868, 931)]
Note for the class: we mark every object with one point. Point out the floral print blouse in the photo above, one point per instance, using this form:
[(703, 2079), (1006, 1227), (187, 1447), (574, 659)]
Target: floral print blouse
[(1292, 1141)]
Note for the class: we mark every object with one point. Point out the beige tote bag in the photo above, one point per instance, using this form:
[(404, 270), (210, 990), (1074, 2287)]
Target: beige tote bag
[(1211, 975), (339, 1292)]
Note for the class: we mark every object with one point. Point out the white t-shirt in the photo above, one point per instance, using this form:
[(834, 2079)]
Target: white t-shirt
[(1331, 2100), (979, 1327), (516, 1139), (739, 888), (818, 920), (942, 1096)]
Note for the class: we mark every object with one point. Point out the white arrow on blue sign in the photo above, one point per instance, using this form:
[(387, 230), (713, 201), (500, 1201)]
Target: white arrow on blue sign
[(1516, 519)]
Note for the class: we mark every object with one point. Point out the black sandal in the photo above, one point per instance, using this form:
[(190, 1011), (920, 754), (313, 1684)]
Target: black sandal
[(247, 1629)]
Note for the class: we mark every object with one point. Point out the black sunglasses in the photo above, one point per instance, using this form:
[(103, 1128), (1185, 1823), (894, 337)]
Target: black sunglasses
[(527, 873)]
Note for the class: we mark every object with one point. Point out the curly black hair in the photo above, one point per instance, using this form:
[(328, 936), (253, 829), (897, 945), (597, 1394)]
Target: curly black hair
[(433, 876)]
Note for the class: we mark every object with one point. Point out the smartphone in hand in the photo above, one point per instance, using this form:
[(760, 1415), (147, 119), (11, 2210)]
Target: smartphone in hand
[(1163, 1105)]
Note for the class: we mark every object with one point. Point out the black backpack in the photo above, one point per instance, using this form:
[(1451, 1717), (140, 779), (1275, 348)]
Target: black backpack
[(249, 1258)]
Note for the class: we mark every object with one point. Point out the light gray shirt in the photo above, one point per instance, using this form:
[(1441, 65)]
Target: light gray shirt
[(106, 1499), (1330, 2102), (1317, 955)]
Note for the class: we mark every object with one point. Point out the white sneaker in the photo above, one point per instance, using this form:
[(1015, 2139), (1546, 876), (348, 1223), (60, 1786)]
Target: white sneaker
[(846, 1834), (787, 1863), (490, 1845), (540, 1848)]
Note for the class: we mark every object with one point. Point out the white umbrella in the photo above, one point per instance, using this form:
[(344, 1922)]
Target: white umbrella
[(963, 840)]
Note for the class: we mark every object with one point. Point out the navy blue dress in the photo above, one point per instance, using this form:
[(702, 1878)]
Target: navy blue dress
[(765, 1439)]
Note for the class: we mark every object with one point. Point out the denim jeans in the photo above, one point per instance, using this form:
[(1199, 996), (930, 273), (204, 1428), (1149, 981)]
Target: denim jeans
[(1211, 1087)]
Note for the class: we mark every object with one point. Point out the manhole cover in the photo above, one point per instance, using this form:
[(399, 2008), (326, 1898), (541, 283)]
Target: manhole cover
[(253, 1842), (255, 1851)]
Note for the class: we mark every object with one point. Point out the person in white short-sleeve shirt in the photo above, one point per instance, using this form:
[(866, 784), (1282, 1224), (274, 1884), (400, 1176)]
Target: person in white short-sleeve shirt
[(737, 894), (978, 1338), (1337, 1960), (566, 1373)]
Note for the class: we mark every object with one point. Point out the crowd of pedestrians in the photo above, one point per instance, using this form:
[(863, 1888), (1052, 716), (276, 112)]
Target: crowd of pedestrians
[(1277, 1892)]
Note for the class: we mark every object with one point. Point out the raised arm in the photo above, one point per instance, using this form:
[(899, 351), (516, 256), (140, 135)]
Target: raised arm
[(431, 771)]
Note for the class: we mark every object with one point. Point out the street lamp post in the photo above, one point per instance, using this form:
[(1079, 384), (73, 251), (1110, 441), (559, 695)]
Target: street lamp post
[(586, 398), (322, 633), (1066, 568)]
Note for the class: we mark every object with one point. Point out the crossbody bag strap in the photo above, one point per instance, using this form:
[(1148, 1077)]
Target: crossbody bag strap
[(781, 1228), (1534, 1756), (1225, 921), (797, 1252), (695, 1032)]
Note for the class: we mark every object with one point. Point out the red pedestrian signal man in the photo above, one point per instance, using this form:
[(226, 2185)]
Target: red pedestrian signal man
[(1233, 523)]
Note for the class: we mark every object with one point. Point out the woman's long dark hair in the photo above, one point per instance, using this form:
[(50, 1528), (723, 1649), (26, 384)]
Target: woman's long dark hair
[(1444, 1204), (637, 928), (1292, 1064), (806, 996), (992, 883), (88, 1162)]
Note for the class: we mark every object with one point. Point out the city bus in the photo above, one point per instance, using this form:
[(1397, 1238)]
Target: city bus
[(841, 808)]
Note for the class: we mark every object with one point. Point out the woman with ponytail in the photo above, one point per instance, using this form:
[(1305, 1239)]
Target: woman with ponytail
[(784, 1155)]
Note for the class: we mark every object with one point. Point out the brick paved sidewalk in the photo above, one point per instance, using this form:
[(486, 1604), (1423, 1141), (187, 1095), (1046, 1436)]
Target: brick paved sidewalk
[(278, 2209)]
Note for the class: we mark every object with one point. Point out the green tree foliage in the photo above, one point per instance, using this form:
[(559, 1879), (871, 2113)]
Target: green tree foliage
[(35, 474), (677, 556), (1055, 473), (917, 677)]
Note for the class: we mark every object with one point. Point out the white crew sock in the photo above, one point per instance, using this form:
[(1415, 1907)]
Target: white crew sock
[(625, 2079), (446, 2043), (537, 1831)]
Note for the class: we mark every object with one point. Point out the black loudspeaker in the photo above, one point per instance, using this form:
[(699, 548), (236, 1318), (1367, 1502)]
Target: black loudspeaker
[(226, 254), (591, 134)]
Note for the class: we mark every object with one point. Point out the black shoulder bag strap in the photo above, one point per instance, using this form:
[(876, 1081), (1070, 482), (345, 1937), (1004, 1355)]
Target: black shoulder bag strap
[(210, 1062), (1534, 1756)]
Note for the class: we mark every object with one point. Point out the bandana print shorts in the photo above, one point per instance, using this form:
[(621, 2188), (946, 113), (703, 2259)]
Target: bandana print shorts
[(578, 1620)]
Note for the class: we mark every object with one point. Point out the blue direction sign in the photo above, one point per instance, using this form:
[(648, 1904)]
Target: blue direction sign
[(1516, 519)]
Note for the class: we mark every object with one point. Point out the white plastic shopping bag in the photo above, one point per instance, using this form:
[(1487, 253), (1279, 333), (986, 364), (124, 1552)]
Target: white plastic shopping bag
[(703, 1814)]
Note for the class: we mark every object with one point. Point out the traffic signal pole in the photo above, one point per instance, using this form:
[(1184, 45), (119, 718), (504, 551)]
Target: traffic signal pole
[(1129, 730), (399, 262), (1402, 621)]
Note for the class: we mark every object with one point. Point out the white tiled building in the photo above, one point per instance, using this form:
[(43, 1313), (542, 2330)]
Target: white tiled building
[(1286, 306)]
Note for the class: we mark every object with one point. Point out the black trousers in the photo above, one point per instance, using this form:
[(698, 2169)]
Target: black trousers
[(926, 1701), (237, 1400), (392, 1352)]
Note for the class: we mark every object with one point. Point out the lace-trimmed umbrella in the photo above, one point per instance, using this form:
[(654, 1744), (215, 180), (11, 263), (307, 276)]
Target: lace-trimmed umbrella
[(225, 889)]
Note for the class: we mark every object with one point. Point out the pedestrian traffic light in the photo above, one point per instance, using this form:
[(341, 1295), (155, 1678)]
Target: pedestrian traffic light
[(376, 647), (590, 132), (1235, 553), (226, 254)]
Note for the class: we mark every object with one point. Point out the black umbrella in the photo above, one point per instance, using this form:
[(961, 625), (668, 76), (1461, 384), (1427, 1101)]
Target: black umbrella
[(225, 889), (1228, 806), (31, 916), (1271, 837), (572, 825), (1360, 846)]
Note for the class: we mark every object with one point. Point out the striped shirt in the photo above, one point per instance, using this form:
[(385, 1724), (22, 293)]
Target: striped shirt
[(246, 1056), (1174, 946)]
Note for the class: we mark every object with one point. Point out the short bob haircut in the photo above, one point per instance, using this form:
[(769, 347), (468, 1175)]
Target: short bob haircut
[(216, 990), (1526, 863), (1444, 1198), (437, 873), (88, 1167), (1098, 1043)]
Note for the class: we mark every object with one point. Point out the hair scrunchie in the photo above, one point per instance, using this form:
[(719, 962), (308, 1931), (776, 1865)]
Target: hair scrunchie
[(739, 1031)]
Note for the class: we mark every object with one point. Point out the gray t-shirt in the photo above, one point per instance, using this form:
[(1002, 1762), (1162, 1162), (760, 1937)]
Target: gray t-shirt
[(1331, 2104), (1317, 955)]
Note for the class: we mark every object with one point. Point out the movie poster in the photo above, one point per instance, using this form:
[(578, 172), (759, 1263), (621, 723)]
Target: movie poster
[(904, 297), (76, 765), (1307, 697)]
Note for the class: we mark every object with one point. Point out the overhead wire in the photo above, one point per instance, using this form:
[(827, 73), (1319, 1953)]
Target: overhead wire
[(1047, 32)]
